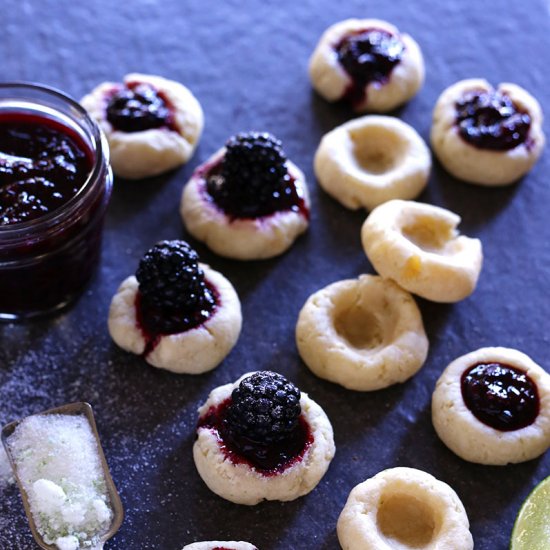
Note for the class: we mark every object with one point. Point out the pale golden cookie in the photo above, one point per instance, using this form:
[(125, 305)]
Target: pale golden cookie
[(332, 81), (141, 154), (474, 440), (242, 483), (364, 334), (401, 509), (418, 246), (473, 163), (371, 160)]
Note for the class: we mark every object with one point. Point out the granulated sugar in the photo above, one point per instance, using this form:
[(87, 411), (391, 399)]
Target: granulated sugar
[(57, 461), (6, 475)]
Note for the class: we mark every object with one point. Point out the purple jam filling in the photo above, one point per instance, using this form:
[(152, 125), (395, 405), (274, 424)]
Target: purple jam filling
[(288, 198), (180, 321), (491, 120), (368, 55), (137, 107), (268, 459), (501, 396), (43, 164)]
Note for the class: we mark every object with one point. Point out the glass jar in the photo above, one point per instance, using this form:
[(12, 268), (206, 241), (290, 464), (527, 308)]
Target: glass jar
[(46, 262)]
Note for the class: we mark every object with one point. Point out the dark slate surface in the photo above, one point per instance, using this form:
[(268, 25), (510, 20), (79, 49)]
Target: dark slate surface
[(246, 62)]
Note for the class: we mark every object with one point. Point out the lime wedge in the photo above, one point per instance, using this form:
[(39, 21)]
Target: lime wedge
[(532, 527)]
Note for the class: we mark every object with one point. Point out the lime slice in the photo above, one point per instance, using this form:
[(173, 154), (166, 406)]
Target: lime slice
[(532, 528)]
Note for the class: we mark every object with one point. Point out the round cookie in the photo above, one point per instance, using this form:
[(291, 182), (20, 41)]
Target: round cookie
[(220, 545), (192, 349), (364, 334), (466, 432), (371, 160), (138, 153), (418, 246), (392, 73), (403, 508), (480, 134), (243, 237), (236, 478)]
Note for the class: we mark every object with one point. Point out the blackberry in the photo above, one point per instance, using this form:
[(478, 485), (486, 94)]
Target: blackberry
[(265, 407), (173, 291), (253, 180), (137, 109)]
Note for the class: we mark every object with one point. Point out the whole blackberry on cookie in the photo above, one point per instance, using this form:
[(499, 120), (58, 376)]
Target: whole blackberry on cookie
[(265, 407), (254, 179), (174, 295)]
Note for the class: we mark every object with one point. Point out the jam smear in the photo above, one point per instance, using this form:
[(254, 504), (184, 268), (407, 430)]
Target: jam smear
[(268, 459), (368, 55), (491, 120), (137, 107), (43, 164), (501, 396), (147, 318), (287, 198)]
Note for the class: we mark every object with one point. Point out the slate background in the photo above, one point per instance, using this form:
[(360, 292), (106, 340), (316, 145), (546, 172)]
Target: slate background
[(246, 62)]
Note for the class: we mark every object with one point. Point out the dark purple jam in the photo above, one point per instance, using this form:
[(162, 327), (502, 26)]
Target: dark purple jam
[(491, 120), (368, 55), (288, 198), (500, 396), (268, 459), (137, 107), (43, 164), (150, 318)]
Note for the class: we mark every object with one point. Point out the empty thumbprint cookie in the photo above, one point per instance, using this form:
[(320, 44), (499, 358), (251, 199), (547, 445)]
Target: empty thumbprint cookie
[(177, 313), (404, 508), (492, 406), (364, 334), (220, 545), (371, 160), (368, 63), (262, 439), (485, 135), (418, 246), (152, 124), (248, 201)]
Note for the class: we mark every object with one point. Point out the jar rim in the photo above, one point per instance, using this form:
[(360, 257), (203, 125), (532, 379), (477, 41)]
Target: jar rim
[(101, 157)]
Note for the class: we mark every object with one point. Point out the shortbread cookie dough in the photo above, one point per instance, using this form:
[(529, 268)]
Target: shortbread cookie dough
[(404, 508), (418, 246), (247, 201), (371, 160), (152, 124), (364, 334), (220, 545), (492, 406), (485, 135), (190, 336), (288, 436), (368, 63)]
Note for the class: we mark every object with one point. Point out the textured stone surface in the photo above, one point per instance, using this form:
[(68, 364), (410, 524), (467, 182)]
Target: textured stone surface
[(246, 62)]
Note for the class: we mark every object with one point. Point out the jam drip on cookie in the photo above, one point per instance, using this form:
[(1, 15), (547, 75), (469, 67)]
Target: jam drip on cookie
[(368, 55), (138, 107), (43, 164), (501, 396), (173, 294), (491, 120), (261, 424), (252, 180)]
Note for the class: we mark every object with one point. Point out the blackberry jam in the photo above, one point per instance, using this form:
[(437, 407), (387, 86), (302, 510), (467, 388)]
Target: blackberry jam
[(501, 396), (491, 120), (368, 55), (55, 184)]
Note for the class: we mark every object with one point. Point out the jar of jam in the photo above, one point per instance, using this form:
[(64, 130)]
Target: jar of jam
[(55, 184)]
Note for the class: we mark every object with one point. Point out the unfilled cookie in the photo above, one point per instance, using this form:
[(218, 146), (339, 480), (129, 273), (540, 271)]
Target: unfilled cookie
[(152, 124), (364, 334), (484, 416)]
